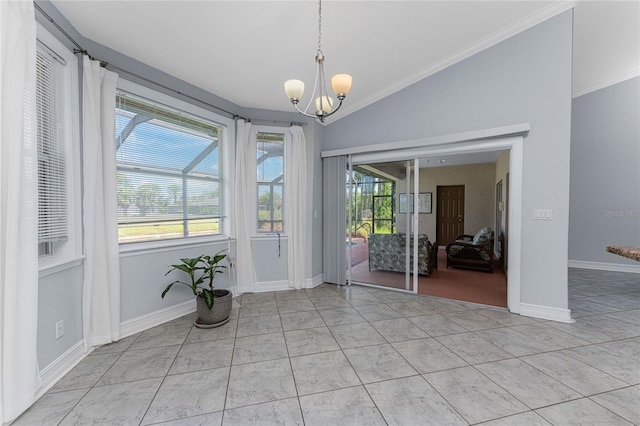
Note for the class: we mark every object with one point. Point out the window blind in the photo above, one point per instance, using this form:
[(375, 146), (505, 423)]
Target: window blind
[(169, 179), (51, 113)]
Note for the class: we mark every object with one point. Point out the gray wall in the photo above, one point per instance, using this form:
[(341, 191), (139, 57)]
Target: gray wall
[(526, 78), (605, 173), (271, 262), (59, 299), (142, 278)]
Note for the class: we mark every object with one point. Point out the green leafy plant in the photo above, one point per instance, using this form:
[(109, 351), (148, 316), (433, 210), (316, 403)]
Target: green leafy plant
[(201, 271)]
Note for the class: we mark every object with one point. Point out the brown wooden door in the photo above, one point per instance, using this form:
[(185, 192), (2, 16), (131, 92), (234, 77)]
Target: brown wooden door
[(450, 213)]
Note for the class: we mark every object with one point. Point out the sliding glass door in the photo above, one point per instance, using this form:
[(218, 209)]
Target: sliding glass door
[(381, 227)]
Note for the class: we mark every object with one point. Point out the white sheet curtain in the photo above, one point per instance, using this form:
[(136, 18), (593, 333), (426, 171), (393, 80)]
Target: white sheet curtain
[(19, 376), (334, 219), (243, 223), (296, 208), (101, 289)]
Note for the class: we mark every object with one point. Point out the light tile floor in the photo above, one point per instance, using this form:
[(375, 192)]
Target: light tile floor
[(350, 356)]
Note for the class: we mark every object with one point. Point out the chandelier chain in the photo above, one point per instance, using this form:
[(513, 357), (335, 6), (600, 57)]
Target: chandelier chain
[(319, 25)]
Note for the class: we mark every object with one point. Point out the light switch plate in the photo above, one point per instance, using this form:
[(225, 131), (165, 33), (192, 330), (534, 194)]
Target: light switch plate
[(542, 214)]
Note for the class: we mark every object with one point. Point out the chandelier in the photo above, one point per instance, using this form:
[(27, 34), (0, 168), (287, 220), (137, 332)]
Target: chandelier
[(341, 84)]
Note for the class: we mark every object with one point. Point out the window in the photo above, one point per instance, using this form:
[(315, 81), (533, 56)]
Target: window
[(270, 180), (58, 152), (373, 202), (383, 202), (169, 177)]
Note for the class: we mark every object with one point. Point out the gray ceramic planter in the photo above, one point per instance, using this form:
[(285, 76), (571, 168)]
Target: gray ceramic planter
[(219, 312)]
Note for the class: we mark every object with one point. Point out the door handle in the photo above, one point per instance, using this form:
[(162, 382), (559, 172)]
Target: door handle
[(460, 219)]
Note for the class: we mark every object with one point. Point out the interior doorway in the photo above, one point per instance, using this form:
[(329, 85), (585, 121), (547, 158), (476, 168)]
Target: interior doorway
[(467, 143), (450, 213)]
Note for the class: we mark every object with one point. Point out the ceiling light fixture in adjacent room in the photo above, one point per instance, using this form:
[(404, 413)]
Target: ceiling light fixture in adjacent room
[(341, 84)]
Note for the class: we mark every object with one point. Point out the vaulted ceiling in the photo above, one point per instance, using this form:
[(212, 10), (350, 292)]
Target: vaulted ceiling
[(243, 51)]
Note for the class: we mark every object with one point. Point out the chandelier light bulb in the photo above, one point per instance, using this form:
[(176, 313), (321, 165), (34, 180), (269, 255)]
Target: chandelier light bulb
[(294, 89), (324, 104), (341, 84)]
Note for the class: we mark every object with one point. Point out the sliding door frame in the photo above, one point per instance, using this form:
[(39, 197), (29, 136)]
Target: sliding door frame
[(350, 220), (414, 221), (508, 138)]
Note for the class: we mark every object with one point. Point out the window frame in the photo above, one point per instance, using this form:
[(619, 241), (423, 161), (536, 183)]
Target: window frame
[(67, 252), (224, 142), (254, 178)]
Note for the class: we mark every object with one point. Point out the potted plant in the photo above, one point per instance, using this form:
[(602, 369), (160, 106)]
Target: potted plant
[(213, 306)]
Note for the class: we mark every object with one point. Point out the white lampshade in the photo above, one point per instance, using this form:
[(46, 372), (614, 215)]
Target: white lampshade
[(327, 104), (294, 89), (341, 83)]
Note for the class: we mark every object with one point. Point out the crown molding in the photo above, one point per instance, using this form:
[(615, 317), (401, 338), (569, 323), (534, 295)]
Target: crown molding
[(606, 83)]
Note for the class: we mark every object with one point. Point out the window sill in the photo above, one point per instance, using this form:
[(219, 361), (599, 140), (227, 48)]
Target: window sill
[(146, 247), (269, 236), (56, 267)]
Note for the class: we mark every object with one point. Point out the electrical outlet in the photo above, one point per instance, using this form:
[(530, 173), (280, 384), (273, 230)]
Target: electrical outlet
[(59, 329)]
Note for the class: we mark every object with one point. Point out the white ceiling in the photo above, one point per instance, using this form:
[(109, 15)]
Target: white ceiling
[(243, 51)]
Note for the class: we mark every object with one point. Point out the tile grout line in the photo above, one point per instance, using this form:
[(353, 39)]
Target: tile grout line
[(233, 350)]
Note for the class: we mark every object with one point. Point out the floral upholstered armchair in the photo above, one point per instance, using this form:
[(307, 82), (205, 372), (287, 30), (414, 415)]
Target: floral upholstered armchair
[(472, 251), (387, 253)]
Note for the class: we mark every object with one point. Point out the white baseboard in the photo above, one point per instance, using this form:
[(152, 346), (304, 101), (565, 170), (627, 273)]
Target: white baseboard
[(315, 281), (52, 373), (144, 322), (546, 312), (264, 286), (602, 266)]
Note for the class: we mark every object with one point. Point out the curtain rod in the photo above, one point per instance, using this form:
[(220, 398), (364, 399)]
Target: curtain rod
[(105, 64), (264, 122), (55, 24), (200, 101)]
